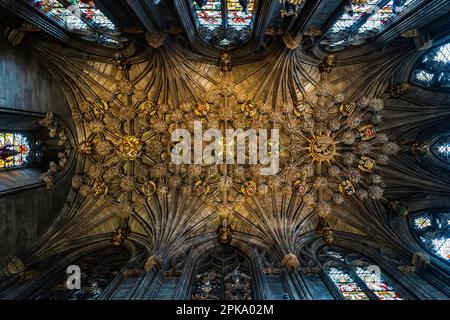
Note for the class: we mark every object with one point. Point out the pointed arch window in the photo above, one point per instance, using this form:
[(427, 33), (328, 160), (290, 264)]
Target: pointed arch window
[(98, 270), (433, 230), (82, 17), (365, 20), (224, 274), (433, 69), (355, 277), (224, 23)]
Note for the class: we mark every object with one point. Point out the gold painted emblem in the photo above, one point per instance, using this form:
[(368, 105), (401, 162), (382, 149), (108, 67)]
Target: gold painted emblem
[(128, 148), (322, 148)]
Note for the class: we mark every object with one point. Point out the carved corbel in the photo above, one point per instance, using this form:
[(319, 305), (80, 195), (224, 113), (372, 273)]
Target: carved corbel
[(290, 262), (419, 260), (153, 263), (292, 42), (155, 39), (419, 149), (16, 36), (423, 42), (14, 266)]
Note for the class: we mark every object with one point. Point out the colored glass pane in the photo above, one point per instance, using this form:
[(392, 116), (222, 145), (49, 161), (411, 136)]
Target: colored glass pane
[(95, 15), (424, 76), (422, 222), (433, 230), (442, 54), (363, 22), (434, 68), (335, 255), (377, 284), (377, 21), (237, 17), (346, 21), (14, 150), (441, 246), (225, 23), (441, 149), (346, 285), (59, 13), (210, 15)]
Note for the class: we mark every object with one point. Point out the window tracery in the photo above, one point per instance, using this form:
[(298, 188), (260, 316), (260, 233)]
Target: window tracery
[(433, 230), (224, 275), (433, 70), (362, 21), (225, 24), (82, 17), (355, 277), (97, 271)]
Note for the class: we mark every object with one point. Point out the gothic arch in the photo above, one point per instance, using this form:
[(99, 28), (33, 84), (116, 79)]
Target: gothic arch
[(389, 262), (223, 273), (38, 150), (355, 276), (46, 279)]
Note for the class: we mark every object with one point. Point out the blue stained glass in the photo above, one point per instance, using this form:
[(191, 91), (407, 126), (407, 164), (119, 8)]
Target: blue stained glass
[(441, 149), (441, 247), (434, 68), (433, 230)]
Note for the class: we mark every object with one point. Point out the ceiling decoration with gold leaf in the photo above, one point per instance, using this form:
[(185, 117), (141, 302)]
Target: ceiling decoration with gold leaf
[(127, 186)]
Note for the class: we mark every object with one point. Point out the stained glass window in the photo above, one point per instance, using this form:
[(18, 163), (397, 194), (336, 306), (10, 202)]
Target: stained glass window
[(60, 14), (335, 255), (83, 17), (433, 229), (422, 222), (209, 15), (433, 70), (350, 273), (224, 23), (238, 17), (441, 247), (14, 150), (223, 275), (377, 20), (363, 22), (88, 8), (346, 285), (441, 149), (346, 21), (377, 284)]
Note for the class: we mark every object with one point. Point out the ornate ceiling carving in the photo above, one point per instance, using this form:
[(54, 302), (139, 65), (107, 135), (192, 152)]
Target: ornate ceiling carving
[(338, 131)]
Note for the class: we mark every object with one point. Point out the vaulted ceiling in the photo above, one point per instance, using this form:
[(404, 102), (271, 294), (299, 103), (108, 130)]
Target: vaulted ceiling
[(157, 79)]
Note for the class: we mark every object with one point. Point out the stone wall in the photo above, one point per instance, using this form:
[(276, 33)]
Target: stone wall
[(25, 85)]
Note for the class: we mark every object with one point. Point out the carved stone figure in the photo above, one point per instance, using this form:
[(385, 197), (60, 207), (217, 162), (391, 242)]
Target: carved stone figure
[(225, 62)]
